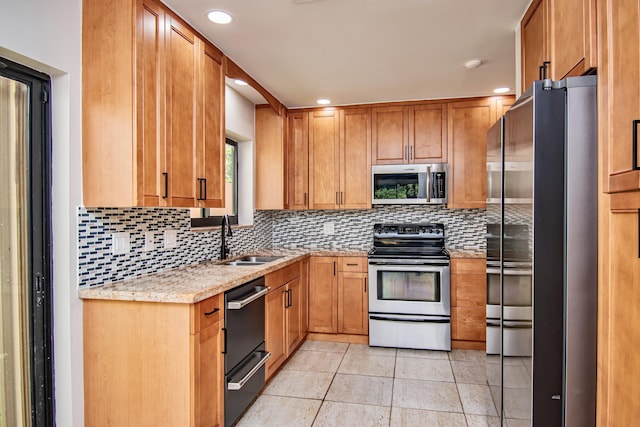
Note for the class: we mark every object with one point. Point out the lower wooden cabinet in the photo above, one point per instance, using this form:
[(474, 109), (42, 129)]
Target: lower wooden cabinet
[(286, 312), (338, 295), (152, 363), (468, 303)]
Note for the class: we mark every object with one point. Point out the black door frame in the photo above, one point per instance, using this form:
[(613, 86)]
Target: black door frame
[(40, 238)]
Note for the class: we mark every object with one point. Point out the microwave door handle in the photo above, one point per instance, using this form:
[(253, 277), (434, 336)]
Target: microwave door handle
[(428, 184)]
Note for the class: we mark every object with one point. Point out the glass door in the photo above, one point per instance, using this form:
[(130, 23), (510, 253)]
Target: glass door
[(26, 355)]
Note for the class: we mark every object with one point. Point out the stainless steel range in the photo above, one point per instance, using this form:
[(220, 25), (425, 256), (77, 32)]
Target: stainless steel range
[(410, 296)]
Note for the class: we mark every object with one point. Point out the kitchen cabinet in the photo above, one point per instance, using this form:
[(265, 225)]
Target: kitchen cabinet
[(298, 160), (271, 181), (409, 134), (152, 363), (285, 327), (324, 159), (355, 159), (152, 109), (562, 32), (469, 122), (468, 303), (338, 295)]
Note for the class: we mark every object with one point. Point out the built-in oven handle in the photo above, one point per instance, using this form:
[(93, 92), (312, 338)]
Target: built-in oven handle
[(493, 322), (238, 304), (509, 272), (411, 319), (516, 325), (238, 385), (428, 184)]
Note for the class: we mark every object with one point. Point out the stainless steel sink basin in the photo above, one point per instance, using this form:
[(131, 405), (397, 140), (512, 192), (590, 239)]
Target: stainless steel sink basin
[(252, 260)]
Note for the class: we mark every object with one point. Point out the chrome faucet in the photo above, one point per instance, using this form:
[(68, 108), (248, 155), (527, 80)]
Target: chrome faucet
[(224, 249)]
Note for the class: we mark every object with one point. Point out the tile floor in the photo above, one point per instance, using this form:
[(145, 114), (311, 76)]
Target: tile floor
[(336, 384)]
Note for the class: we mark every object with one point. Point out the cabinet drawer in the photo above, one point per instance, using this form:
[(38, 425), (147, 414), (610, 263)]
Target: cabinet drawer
[(468, 265), (282, 276), (353, 263), (208, 312)]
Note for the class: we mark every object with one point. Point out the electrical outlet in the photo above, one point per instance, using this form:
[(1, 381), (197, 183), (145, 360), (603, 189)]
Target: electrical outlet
[(149, 241), (120, 243), (329, 228), (170, 239)]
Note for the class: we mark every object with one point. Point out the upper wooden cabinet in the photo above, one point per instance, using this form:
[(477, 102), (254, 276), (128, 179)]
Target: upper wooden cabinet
[(562, 32), (153, 119), (618, 88), (355, 159), (324, 159), (409, 134), (271, 181), (298, 160)]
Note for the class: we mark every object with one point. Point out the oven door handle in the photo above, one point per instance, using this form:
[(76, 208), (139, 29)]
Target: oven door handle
[(411, 262), (412, 319), (238, 304), (239, 384)]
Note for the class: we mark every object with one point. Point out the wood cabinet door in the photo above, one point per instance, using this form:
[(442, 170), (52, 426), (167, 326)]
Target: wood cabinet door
[(572, 34), (389, 135), (294, 309), (150, 104), (275, 329), (209, 376), (353, 303), (304, 297), (323, 295), (182, 68), (469, 122), (212, 147), (428, 133), (355, 159), (468, 324), (324, 159), (533, 30), (271, 159), (298, 160)]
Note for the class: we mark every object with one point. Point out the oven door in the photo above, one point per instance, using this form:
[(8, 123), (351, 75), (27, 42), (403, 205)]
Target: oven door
[(405, 286)]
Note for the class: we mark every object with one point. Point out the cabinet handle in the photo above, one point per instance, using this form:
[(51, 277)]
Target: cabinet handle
[(635, 145), (405, 152), (204, 196), (365, 285), (166, 184), (352, 265), (199, 188), (304, 203), (215, 310), (334, 268), (337, 197), (411, 153), (289, 297), (341, 198)]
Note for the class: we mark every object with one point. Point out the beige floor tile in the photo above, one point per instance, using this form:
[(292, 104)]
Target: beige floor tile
[(338, 414), (405, 417), (494, 358), (470, 372), (277, 411), (431, 395), (363, 364), (317, 361), (514, 376), (517, 403), (424, 369), (495, 394), (423, 354), (371, 351), (467, 355), (482, 421), (361, 389), (327, 346), (304, 384), (476, 399), (512, 422)]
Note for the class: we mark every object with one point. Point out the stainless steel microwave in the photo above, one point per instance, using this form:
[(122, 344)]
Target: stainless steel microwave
[(409, 184)]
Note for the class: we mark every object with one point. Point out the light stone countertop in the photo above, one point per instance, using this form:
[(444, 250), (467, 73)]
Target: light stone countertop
[(459, 253), (197, 282)]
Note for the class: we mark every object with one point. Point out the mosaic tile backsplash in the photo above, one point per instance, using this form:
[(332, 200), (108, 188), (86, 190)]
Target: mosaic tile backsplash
[(352, 229)]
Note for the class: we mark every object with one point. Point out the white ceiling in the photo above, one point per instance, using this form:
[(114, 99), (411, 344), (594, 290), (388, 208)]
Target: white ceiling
[(363, 51)]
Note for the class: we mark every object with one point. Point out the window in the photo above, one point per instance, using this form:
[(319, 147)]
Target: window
[(208, 217)]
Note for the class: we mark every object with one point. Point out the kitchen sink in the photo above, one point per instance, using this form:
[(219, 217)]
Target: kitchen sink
[(252, 260)]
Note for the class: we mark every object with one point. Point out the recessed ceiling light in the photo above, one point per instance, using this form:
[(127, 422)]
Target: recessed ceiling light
[(501, 90), (474, 63), (324, 101), (219, 17), (240, 82)]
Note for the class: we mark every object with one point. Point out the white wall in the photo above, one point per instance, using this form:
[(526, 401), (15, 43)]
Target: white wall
[(240, 126), (47, 35)]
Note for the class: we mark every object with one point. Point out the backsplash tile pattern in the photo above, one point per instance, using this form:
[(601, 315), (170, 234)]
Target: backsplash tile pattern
[(465, 229), (97, 265)]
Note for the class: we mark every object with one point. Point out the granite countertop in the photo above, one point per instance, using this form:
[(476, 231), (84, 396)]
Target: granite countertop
[(194, 283), (462, 253)]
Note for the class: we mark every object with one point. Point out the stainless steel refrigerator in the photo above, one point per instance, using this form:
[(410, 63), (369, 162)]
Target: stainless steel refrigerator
[(542, 254)]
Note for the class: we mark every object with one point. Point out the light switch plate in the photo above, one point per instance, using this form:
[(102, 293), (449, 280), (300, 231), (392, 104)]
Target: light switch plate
[(329, 228), (120, 243), (149, 241), (170, 239)]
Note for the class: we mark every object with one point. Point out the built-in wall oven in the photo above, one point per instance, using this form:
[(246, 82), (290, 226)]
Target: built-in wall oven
[(409, 294)]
